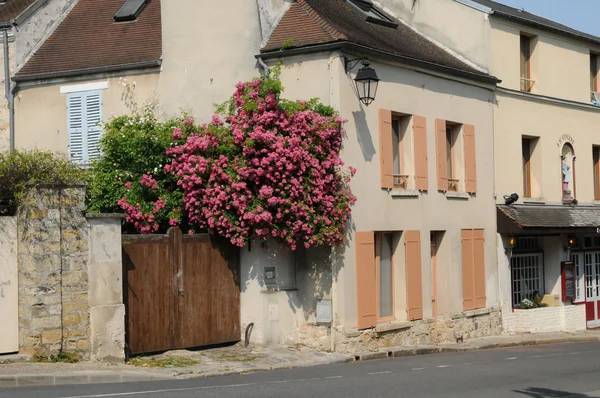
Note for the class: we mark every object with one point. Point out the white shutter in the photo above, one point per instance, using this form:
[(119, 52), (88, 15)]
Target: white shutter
[(93, 113), (75, 112)]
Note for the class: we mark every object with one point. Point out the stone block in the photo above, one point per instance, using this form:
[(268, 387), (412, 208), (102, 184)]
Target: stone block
[(83, 345), (75, 277), (48, 322), (52, 336), (37, 214), (107, 324), (72, 234), (75, 306), (71, 319)]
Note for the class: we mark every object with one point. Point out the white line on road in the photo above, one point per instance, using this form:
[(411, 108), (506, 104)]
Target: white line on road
[(334, 377), (380, 373), (511, 358), (418, 368), (278, 382), (124, 394), (444, 366)]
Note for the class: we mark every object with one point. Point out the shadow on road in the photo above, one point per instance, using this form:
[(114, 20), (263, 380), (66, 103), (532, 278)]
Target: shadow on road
[(537, 392)]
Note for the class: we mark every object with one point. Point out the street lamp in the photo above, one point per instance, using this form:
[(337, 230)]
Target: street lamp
[(366, 80)]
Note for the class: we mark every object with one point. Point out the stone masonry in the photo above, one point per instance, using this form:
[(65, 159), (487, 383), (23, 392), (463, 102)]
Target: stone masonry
[(53, 276)]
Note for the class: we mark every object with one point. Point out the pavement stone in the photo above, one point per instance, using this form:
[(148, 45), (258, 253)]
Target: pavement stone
[(237, 359)]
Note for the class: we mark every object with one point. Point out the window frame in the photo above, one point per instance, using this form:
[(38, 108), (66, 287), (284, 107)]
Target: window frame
[(379, 236), (526, 153), (453, 131), (526, 84), (541, 274), (401, 179), (596, 174), (593, 74)]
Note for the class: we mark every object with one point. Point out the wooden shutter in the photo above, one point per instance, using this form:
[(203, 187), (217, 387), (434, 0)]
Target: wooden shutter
[(93, 120), (386, 152), (75, 117), (470, 158), (479, 268), (366, 288), (467, 270), (441, 155), (420, 139), (414, 288)]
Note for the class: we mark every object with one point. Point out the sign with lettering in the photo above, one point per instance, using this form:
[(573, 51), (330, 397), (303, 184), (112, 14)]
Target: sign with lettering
[(565, 138), (568, 280), (324, 311)]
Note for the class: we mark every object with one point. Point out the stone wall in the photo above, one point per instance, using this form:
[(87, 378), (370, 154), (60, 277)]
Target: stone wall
[(53, 272), (468, 325)]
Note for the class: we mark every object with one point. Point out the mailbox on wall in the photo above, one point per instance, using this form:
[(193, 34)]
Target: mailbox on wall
[(568, 280)]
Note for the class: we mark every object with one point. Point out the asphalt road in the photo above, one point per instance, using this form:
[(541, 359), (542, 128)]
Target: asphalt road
[(564, 370)]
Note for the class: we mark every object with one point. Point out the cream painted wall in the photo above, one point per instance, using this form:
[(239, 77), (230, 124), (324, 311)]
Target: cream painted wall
[(516, 116), (464, 30), (409, 92), (559, 66), (9, 286), (206, 51), (41, 111)]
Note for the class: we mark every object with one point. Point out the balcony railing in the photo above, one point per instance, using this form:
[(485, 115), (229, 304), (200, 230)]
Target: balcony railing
[(527, 84), (401, 181), (453, 184)]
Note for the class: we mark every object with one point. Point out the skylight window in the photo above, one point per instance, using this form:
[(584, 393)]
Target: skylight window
[(131, 10), (371, 13)]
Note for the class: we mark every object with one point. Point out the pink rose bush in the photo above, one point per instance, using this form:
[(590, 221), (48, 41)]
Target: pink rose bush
[(264, 167)]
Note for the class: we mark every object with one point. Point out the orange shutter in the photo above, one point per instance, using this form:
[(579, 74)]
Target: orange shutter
[(467, 270), (441, 155), (366, 289), (479, 268), (414, 289), (386, 152), (420, 139), (470, 159)]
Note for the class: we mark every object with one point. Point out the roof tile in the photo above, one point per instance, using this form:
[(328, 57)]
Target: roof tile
[(13, 8)]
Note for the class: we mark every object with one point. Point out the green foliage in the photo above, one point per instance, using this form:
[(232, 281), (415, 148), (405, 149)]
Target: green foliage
[(22, 170), (62, 357), (131, 146), (289, 43)]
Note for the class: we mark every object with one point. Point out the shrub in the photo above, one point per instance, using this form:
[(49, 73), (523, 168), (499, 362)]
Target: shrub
[(25, 169), (534, 301)]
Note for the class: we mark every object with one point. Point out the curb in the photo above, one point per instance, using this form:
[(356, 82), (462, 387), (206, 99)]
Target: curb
[(410, 352), (31, 380)]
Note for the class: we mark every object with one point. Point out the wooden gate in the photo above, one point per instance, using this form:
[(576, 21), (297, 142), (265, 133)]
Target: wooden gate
[(180, 291)]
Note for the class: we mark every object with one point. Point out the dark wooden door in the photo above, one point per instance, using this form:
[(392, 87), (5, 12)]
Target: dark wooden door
[(180, 291)]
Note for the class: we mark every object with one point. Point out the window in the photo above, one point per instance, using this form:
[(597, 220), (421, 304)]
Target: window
[(594, 75), (403, 156), (526, 82), (473, 269), (526, 147), (385, 271), (527, 276), (130, 10), (596, 154), (84, 125), (365, 7), (456, 157)]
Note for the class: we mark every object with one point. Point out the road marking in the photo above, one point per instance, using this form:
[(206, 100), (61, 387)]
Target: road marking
[(418, 368), (124, 394), (278, 382), (574, 353), (444, 366), (334, 377), (380, 373), (511, 358)]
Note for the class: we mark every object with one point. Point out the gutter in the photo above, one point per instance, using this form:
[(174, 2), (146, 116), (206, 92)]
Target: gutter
[(87, 71), (8, 92), (353, 47)]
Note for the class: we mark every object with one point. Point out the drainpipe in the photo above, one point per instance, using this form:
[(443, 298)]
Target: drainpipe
[(8, 92), (264, 68)]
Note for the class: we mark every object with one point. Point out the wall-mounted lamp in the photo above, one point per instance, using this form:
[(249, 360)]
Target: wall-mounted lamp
[(511, 242), (571, 242), (366, 79)]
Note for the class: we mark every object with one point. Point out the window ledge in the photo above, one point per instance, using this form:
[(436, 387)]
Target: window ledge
[(534, 201), (473, 313), (404, 193), (457, 195), (391, 326)]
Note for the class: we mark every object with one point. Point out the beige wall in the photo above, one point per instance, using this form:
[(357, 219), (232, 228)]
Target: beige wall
[(41, 111), (463, 30), (203, 61), (560, 66), (516, 116), (409, 92), (9, 286)]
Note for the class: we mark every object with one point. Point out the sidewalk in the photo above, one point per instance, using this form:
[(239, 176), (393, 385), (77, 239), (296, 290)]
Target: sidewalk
[(239, 360)]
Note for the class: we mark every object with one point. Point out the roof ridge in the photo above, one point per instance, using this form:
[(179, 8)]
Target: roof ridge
[(319, 20)]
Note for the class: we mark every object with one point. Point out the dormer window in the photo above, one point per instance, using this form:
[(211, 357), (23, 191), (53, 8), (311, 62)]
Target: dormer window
[(373, 15), (131, 10)]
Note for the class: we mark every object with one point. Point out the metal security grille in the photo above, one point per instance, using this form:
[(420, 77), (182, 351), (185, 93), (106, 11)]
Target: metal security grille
[(526, 276), (528, 243)]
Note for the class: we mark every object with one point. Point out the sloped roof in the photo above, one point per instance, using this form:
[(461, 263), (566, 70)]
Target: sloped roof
[(89, 39), (313, 22), (12, 9), (544, 216), (528, 18)]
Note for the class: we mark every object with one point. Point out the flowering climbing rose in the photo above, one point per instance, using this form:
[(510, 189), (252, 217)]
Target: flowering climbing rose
[(269, 168)]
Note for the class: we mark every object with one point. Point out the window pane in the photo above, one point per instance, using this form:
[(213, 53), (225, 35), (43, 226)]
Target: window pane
[(593, 71), (449, 151), (396, 145), (385, 277), (526, 167), (597, 172)]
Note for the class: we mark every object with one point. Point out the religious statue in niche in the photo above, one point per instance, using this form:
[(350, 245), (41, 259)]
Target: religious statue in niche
[(567, 158)]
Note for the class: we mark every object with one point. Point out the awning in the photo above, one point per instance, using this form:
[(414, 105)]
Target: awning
[(547, 219)]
